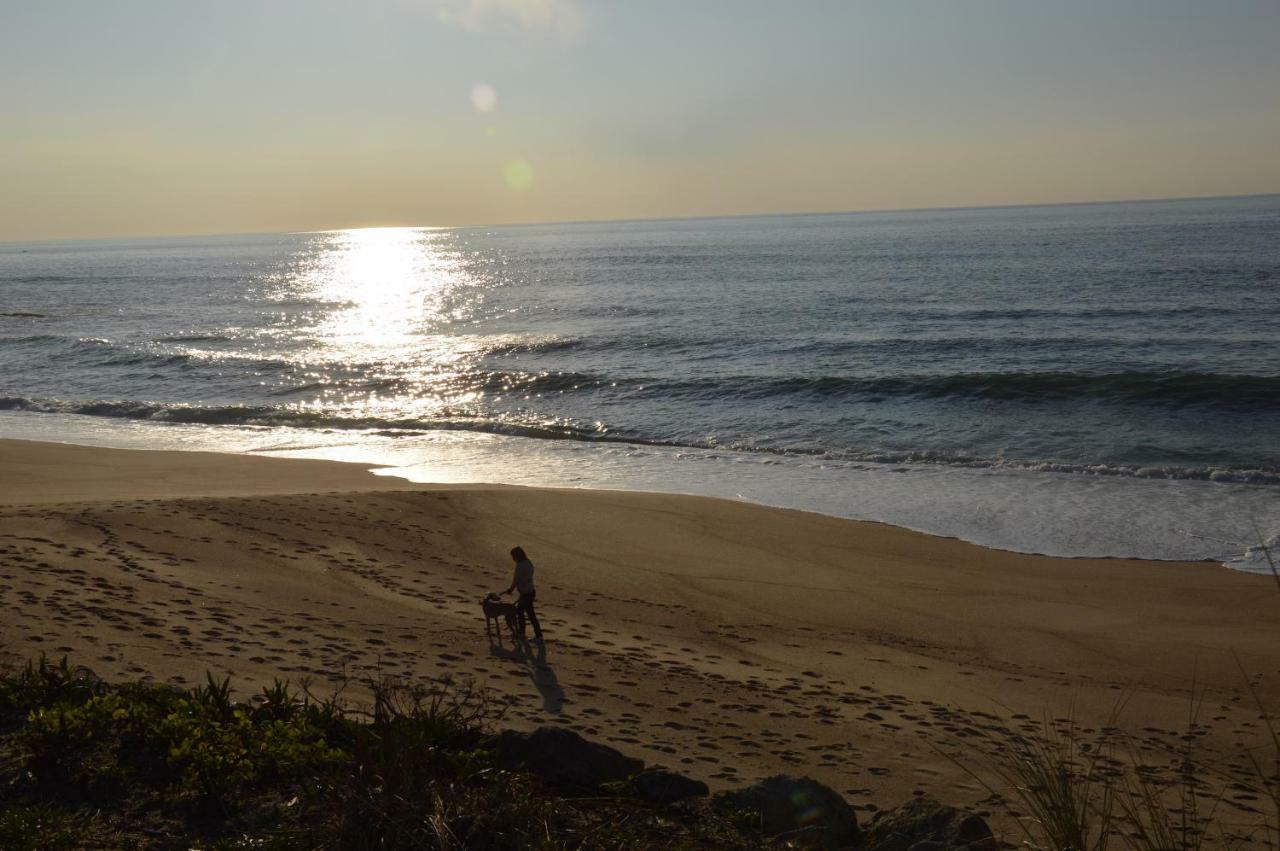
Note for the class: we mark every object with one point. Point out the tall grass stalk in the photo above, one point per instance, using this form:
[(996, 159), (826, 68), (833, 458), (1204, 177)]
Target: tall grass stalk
[(1071, 795), (1065, 787), (1265, 762), (1266, 553)]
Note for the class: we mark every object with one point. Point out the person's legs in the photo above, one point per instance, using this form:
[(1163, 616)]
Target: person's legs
[(525, 607)]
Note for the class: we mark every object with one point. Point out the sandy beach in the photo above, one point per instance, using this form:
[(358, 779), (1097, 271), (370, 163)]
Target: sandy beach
[(727, 640)]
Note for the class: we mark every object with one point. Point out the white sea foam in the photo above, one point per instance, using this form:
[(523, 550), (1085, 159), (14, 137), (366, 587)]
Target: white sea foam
[(1010, 509), (1263, 557)]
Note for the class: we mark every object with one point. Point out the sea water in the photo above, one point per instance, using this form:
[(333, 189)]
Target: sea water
[(1099, 379)]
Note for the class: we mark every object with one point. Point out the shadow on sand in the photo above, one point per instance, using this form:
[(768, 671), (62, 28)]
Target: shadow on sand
[(532, 656)]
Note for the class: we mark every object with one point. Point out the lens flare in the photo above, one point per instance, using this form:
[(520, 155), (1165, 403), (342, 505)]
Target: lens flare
[(519, 174), (483, 97)]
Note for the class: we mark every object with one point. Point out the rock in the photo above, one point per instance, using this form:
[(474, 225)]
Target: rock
[(925, 825), (795, 805), (974, 831), (659, 786), (86, 676), (562, 756), (814, 836)]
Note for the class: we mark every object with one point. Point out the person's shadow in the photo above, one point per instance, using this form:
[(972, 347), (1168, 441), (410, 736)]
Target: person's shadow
[(533, 658)]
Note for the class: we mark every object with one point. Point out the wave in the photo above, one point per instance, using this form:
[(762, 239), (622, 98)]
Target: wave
[(1166, 390), (1240, 393), (193, 338), (1145, 311), (664, 345), (672, 345), (27, 339), (539, 345), (160, 352), (1227, 474), (1204, 391), (301, 417), (23, 314), (102, 352), (305, 417), (1178, 390), (49, 279)]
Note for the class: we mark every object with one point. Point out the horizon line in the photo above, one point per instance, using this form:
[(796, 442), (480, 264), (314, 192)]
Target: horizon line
[(631, 220)]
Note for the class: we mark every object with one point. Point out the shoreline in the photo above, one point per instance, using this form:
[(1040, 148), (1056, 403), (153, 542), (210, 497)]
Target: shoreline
[(726, 640), (399, 482), (1057, 515)]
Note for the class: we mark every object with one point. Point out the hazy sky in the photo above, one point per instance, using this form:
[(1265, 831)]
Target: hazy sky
[(175, 116)]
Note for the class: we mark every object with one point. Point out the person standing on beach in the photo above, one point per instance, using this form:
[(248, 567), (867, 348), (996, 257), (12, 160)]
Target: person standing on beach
[(522, 581)]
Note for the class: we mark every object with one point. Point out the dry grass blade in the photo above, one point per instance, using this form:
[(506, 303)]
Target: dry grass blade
[(1266, 553), (1266, 765), (1066, 789)]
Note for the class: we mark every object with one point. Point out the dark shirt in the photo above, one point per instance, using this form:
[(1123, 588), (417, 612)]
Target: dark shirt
[(523, 578)]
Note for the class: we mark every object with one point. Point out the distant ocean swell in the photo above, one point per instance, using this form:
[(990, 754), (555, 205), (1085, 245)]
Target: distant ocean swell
[(1227, 393), (307, 417), (218, 347), (1237, 393), (875, 306), (1172, 390), (887, 345)]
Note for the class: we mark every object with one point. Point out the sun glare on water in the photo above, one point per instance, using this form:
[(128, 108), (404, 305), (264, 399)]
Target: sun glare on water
[(389, 297), (394, 283)]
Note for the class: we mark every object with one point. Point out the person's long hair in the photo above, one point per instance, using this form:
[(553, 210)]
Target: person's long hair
[(517, 553)]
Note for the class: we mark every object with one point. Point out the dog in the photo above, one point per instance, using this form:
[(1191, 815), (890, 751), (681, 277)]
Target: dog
[(494, 609)]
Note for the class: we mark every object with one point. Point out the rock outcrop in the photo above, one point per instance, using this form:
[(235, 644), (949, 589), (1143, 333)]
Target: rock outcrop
[(564, 758), (798, 810), (658, 786), (925, 825), (805, 810)]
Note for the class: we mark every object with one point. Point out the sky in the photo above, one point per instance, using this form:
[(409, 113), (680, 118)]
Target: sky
[(146, 118)]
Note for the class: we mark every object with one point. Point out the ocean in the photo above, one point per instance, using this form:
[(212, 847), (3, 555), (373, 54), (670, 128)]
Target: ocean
[(1094, 379)]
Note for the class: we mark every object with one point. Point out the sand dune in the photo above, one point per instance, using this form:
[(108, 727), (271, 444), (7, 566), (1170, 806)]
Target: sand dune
[(727, 640)]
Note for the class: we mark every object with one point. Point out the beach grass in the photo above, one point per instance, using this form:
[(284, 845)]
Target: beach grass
[(1069, 792)]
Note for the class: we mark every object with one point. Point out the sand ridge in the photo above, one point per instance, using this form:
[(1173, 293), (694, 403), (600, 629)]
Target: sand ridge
[(726, 640)]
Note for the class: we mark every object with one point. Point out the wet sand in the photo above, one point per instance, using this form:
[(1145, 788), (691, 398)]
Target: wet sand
[(726, 640)]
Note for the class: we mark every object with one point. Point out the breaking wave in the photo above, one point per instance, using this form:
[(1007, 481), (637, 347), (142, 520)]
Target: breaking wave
[(307, 417)]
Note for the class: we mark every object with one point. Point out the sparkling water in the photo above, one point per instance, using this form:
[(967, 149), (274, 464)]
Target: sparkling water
[(1080, 380)]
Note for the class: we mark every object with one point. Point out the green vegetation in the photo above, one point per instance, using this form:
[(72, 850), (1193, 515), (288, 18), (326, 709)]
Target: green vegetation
[(89, 765), (85, 764)]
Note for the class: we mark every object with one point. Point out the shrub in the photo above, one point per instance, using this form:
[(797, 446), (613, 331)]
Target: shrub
[(416, 777), (210, 748), (43, 683), (37, 829), (117, 766)]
